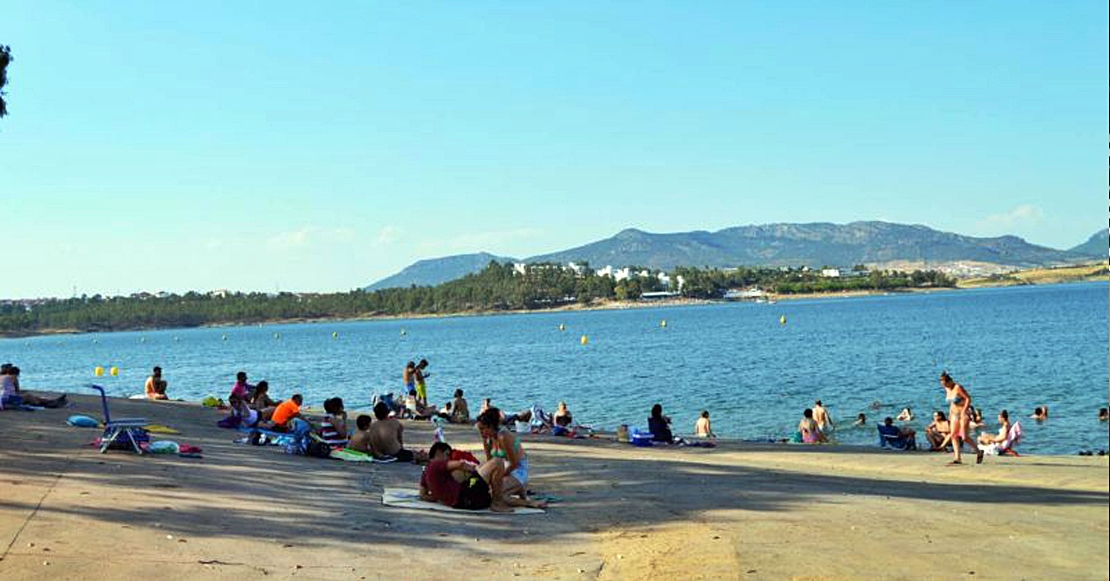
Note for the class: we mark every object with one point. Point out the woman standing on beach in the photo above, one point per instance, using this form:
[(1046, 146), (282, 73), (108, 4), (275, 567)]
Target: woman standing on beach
[(959, 401)]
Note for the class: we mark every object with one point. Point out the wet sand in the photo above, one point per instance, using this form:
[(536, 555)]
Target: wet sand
[(738, 511)]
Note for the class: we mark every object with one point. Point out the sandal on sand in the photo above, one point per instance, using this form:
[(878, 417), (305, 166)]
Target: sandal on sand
[(979, 457)]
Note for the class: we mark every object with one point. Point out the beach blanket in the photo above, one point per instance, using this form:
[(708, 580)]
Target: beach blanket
[(410, 498), (160, 429)]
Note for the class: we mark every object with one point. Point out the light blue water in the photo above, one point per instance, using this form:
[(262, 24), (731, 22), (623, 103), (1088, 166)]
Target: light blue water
[(1012, 348)]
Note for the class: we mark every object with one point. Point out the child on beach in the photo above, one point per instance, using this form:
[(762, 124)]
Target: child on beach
[(702, 427), (241, 388), (333, 428), (361, 439)]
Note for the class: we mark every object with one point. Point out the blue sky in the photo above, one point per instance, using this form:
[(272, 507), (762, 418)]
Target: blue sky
[(263, 145)]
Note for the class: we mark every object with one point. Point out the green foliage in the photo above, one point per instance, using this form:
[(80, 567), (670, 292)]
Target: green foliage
[(499, 287)]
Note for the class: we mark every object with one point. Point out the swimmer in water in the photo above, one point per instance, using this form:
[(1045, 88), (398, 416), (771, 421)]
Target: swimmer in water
[(1040, 414)]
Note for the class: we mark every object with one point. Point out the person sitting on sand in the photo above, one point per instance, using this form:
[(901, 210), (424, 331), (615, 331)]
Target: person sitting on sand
[(904, 438), (387, 435), (976, 417), (286, 412), (239, 414), (241, 388), (1040, 414), (1103, 414), (563, 421), (333, 428), (906, 415), (861, 420), (465, 485), (938, 432), (660, 426), (702, 427), (499, 443), (808, 428), (261, 401), (11, 395), (1003, 431), (821, 416), (460, 412), (155, 387), (360, 441)]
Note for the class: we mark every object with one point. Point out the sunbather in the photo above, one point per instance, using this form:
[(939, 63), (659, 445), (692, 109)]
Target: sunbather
[(285, 413), (939, 431), (460, 412), (361, 439), (702, 427), (564, 421), (261, 401), (500, 443), (12, 396), (239, 414), (333, 428), (1003, 431), (155, 387), (387, 435)]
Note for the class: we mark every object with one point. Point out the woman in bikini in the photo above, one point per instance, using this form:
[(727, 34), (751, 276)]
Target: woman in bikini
[(959, 400), (503, 444)]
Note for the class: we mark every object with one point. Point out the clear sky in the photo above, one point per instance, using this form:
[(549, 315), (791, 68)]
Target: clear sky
[(321, 146)]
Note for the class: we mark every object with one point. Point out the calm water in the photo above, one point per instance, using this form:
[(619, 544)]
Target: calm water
[(1013, 348)]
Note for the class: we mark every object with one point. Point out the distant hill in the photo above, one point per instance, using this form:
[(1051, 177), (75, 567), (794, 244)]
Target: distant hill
[(814, 245), (433, 271), (1097, 246)]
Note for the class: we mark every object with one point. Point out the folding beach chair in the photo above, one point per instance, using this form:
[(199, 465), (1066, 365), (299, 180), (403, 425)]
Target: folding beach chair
[(128, 430)]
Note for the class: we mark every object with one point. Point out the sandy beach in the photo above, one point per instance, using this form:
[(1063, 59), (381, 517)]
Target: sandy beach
[(737, 511)]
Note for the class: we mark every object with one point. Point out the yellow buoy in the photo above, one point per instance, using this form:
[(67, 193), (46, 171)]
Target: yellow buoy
[(782, 320), (335, 334), (584, 340), (663, 323), (114, 371), (98, 371)]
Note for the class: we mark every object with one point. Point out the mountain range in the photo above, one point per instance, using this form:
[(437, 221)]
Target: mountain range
[(814, 245)]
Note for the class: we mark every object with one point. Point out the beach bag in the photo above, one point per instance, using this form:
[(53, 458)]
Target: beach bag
[(317, 449), (641, 438), (122, 442), (211, 402)]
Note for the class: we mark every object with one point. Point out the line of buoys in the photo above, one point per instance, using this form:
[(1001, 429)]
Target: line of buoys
[(584, 340)]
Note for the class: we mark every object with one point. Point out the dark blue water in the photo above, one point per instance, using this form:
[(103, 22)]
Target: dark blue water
[(1012, 348)]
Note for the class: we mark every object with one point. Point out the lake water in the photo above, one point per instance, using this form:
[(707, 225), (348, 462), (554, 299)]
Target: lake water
[(1013, 348)]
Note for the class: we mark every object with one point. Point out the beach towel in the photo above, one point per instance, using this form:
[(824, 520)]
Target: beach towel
[(410, 498), (347, 455)]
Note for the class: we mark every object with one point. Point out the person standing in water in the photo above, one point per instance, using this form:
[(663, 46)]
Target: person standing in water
[(959, 420), (821, 416)]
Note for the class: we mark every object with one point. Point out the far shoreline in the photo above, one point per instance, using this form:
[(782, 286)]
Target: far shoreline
[(608, 305)]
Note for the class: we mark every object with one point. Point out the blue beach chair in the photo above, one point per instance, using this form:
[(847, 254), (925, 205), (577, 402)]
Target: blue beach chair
[(895, 440), (128, 430)]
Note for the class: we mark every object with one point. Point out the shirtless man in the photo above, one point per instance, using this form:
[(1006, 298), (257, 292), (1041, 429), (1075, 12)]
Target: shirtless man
[(387, 435), (821, 416)]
